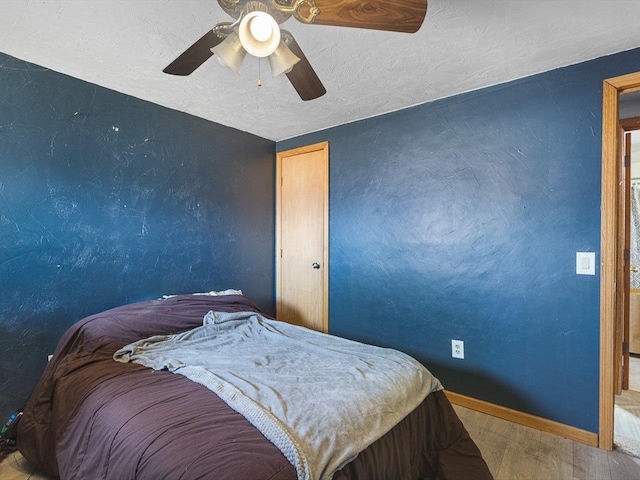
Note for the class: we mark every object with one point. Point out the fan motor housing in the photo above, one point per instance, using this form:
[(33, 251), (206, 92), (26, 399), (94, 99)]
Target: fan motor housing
[(241, 7)]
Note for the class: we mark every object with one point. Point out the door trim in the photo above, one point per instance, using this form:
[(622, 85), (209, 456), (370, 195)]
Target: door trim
[(611, 89), (324, 147)]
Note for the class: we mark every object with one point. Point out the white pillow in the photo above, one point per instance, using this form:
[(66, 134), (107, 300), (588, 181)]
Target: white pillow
[(213, 293)]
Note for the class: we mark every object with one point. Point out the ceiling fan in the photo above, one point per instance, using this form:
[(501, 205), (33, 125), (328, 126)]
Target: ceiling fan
[(256, 31)]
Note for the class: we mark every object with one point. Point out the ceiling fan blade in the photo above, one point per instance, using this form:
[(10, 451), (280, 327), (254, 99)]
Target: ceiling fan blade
[(391, 15), (194, 56), (302, 76)]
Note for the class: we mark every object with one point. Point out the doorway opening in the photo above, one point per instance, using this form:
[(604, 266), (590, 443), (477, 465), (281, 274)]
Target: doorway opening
[(612, 304), (627, 374)]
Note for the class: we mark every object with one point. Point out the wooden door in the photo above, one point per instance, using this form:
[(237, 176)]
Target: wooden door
[(627, 261), (634, 323), (302, 236)]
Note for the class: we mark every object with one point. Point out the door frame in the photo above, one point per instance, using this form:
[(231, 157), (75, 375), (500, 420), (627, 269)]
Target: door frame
[(324, 147), (609, 258)]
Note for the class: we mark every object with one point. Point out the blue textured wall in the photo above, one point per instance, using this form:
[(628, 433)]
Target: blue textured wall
[(106, 199), (461, 219)]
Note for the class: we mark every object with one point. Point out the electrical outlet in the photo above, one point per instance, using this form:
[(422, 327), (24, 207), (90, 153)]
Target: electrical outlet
[(457, 348)]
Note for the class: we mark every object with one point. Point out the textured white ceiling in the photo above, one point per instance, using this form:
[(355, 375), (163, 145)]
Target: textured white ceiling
[(463, 45)]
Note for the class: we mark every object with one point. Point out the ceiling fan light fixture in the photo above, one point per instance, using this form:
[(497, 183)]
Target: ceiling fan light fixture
[(259, 33), (230, 52), (282, 60)]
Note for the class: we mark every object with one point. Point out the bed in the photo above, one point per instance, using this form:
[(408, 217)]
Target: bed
[(91, 417)]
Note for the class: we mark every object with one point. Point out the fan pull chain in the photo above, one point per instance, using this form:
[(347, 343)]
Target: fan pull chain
[(259, 72)]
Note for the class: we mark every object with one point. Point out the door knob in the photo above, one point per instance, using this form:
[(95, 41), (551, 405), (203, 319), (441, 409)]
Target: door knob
[(317, 265), (634, 269)]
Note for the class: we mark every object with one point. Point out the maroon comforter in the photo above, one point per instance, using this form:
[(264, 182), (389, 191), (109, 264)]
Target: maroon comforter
[(93, 418)]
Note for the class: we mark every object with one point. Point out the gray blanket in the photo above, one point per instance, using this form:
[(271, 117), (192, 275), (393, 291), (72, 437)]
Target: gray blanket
[(320, 399)]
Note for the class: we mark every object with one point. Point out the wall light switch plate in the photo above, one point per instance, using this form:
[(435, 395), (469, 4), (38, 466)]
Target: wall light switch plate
[(585, 263)]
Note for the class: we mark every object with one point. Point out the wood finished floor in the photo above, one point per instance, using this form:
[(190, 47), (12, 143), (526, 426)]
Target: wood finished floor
[(15, 467), (634, 373), (626, 424), (512, 451)]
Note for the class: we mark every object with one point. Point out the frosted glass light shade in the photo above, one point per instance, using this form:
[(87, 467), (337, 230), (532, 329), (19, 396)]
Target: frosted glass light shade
[(259, 33), (230, 52), (282, 60)]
